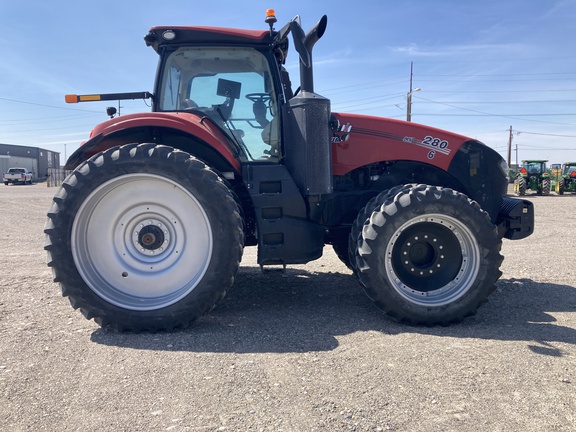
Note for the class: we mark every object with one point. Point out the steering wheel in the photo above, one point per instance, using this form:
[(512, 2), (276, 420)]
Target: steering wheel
[(258, 97)]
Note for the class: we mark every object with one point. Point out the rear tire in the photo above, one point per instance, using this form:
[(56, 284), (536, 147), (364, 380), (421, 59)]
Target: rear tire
[(560, 186), (546, 187), (521, 189), (144, 238), (428, 255)]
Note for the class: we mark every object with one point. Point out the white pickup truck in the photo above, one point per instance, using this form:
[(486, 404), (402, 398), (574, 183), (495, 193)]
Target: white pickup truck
[(17, 175)]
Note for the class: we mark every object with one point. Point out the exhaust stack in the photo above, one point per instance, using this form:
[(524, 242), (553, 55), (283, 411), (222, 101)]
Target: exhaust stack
[(306, 119), (304, 44)]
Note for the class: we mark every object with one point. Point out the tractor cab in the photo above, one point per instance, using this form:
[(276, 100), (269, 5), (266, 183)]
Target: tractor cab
[(569, 169), (556, 170), (533, 167), (233, 87)]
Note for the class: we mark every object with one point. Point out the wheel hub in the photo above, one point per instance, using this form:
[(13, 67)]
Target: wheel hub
[(422, 254), (426, 256), (151, 237)]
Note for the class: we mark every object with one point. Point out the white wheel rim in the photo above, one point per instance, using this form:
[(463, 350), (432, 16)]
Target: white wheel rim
[(464, 276), (141, 241)]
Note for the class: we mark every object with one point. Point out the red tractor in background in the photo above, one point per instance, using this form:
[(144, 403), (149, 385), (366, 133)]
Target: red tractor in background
[(147, 233)]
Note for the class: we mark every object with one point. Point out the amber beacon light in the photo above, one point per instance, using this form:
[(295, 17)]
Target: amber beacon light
[(270, 19)]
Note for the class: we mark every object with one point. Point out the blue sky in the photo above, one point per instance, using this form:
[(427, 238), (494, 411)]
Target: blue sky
[(482, 66)]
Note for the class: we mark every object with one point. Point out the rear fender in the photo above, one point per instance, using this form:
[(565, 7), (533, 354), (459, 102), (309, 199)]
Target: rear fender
[(187, 132)]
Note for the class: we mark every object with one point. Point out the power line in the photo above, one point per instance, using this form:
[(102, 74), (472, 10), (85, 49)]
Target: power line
[(494, 75), (46, 106), (504, 102), (546, 134), (480, 114), (501, 91)]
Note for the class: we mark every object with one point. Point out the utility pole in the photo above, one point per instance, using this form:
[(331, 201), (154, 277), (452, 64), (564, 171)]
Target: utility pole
[(409, 97), (509, 160)]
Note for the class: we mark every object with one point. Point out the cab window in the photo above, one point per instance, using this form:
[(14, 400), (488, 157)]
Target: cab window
[(234, 87)]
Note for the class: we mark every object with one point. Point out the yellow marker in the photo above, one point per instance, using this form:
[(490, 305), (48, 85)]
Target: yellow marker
[(88, 98)]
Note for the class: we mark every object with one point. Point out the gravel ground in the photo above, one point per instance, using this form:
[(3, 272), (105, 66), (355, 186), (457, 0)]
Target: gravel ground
[(301, 351)]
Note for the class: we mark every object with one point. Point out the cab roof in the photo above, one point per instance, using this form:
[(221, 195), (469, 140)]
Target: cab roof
[(180, 35)]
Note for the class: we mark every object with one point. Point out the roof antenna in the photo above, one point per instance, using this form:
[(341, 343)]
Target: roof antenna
[(270, 19)]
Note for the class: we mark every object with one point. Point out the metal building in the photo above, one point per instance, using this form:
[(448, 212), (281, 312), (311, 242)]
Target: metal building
[(35, 159)]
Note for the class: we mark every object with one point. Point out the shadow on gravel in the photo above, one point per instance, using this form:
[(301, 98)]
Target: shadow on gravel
[(301, 311)]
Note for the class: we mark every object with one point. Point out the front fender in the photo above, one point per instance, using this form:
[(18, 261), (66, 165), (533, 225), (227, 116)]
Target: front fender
[(475, 166), (148, 127)]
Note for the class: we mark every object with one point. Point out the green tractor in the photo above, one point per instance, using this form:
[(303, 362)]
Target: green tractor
[(533, 175), (555, 171), (567, 181)]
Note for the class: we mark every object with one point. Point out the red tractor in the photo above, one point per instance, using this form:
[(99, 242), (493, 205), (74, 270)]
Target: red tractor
[(148, 231)]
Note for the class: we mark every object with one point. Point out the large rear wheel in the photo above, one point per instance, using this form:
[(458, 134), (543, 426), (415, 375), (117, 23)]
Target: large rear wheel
[(560, 186), (144, 237), (546, 186), (520, 186), (427, 255)]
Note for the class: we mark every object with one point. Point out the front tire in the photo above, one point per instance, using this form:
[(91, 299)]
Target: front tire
[(428, 255), (144, 238)]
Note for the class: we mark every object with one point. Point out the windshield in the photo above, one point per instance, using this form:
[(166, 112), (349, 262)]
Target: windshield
[(233, 86), (535, 167)]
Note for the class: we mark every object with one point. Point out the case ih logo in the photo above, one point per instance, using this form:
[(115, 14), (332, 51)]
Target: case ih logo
[(342, 133)]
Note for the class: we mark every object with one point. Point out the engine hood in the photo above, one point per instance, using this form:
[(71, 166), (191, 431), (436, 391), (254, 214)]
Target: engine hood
[(374, 139)]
